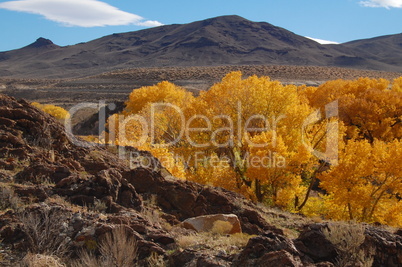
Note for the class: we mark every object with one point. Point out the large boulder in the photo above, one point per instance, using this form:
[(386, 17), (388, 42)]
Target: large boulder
[(189, 257), (207, 223), (381, 246), (269, 249), (313, 244), (386, 247)]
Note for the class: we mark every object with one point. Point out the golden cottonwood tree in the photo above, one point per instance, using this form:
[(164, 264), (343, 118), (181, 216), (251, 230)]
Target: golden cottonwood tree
[(256, 136), (219, 125), (57, 112), (367, 183), (242, 109), (369, 108), (397, 85), (274, 170), (151, 119)]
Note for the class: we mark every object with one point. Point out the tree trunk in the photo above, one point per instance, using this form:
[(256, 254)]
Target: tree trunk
[(258, 193), (310, 187)]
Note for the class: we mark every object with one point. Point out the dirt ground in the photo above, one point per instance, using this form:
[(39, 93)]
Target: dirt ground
[(115, 86)]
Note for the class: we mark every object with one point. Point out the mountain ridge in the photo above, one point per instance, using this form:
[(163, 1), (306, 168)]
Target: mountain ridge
[(225, 40)]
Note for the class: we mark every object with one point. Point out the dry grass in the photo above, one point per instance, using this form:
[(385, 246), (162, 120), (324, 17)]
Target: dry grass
[(95, 209), (118, 248), (348, 238), (8, 199), (40, 260), (221, 227), (155, 260), (153, 214), (44, 231), (230, 244), (99, 206), (290, 223)]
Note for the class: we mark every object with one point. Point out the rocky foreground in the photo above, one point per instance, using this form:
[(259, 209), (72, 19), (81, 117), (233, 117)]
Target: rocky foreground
[(60, 198)]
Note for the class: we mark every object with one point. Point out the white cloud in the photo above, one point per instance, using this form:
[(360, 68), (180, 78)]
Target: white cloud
[(320, 41), (82, 13), (382, 3)]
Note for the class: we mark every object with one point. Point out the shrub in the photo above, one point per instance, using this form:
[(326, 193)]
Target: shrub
[(156, 260), (99, 206), (118, 248), (221, 227), (9, 200), (40, 260), (44, 231), (57, 112), (231, 244), (348, 238)]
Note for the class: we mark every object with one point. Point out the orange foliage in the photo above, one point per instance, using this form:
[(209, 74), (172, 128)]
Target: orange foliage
[(259, 137), (57, 112)]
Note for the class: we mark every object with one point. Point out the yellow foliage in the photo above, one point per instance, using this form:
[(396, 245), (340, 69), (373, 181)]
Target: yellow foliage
[(168, 160), (163, 92), (214, 171), (221, 227), (57, 112), (397, 85), (368, 108), (261, 138), (274, 169), (366, 185), (316, 207)]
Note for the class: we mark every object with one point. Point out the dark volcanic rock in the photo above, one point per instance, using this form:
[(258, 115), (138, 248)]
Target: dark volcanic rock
[(384, 247), (46, 166), (92, 124), (185, 199), (105, 184), (190, 257), (269, 249), (313, 243), (30, 135), (387, 247)]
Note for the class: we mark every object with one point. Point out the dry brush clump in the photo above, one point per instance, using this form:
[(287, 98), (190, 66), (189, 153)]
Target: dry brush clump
[(348, 239), (40, 260), (230, 244), (8, 199), (221, 227), (44, 231), (217, 239), (117, 248)]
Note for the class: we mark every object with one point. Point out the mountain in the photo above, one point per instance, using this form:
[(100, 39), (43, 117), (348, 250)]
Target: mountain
[(226, 40), (388, 48)]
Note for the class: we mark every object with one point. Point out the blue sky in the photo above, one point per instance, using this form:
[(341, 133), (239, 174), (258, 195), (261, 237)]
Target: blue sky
[(68, 22)]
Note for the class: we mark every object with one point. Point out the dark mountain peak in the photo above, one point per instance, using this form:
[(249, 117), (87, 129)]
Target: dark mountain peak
[(228, 18), (42, 42)]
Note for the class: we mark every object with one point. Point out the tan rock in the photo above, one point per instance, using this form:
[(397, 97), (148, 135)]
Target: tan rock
[(206, 223)]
